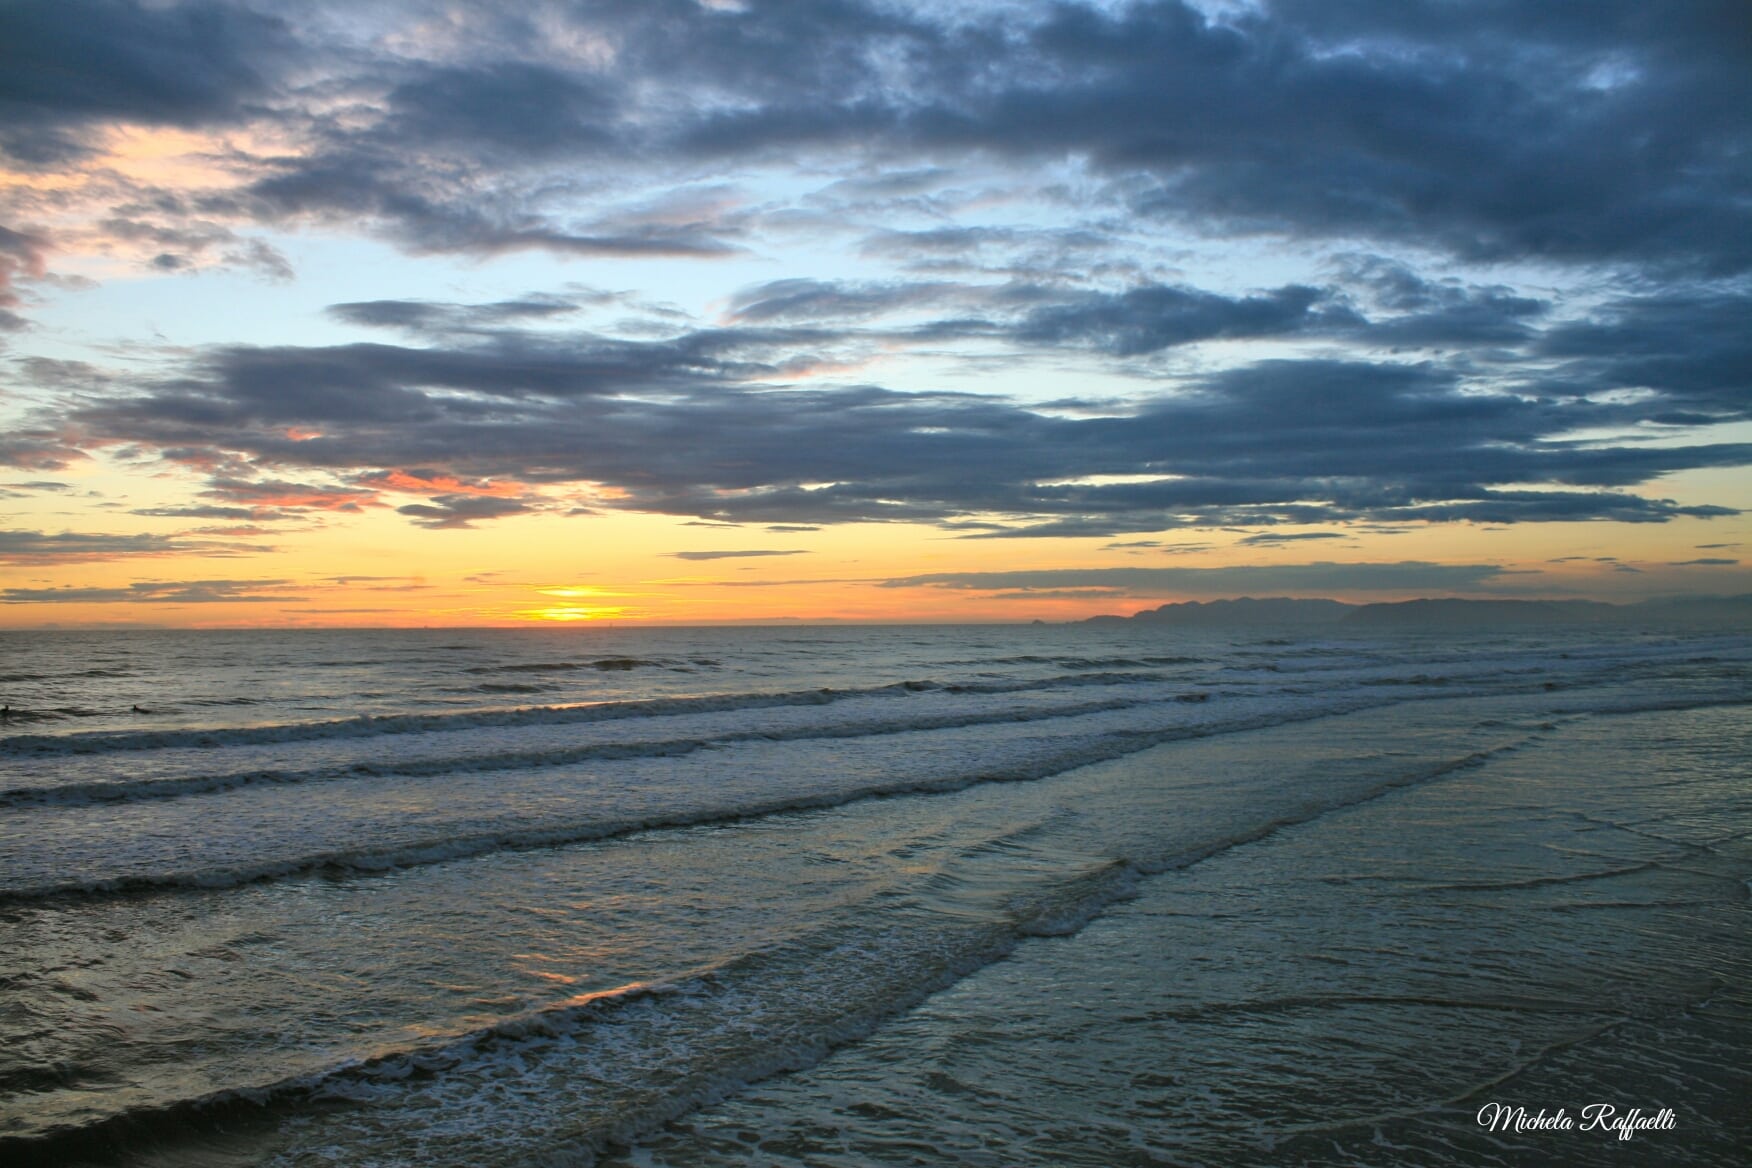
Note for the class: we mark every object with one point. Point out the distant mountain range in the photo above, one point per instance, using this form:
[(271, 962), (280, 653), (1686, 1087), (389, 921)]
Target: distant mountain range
[(1726, 611)]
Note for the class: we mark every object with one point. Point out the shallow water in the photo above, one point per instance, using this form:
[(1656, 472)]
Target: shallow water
[(1564, 925), (989, 895)]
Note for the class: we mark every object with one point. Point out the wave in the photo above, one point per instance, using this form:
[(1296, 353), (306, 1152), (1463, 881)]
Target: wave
[(372, 725), (94, 673), (1076, 662), (187, 1120), (702, 1034), (1549, 881), (76, 794), (1052, 758), (813, 994), (16, 716), (604, 664), (367, 860)]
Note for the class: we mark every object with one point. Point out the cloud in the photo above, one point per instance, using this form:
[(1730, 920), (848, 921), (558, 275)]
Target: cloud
[(382, 583), (1031, 188), (814, 300), (421, 480), (462, 511), (1703, 562), (1413, 310), (989, 249), (159, 592), (508, 110), (1296, 119), (1404, 576), (1266, 538), (22, 256), (424, 316), (733, 555), (73, 547), (282, 495), (1383, 122), (372, 187), (697, 424), (73, 65), (1144, 320), (1691, 346), (1401, 310), (244, 514)]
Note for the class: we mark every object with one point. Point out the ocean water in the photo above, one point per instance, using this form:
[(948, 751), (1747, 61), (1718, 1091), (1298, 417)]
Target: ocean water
[(1032, 895)]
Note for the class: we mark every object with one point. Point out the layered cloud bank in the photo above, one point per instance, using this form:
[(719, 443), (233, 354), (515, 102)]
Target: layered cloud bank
[(1000, 270)]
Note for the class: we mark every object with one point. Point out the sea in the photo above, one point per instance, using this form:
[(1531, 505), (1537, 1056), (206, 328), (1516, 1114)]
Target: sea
[(1021, 896)]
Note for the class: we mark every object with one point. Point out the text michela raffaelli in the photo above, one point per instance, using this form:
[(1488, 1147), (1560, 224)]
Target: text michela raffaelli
[(1603, 1117)]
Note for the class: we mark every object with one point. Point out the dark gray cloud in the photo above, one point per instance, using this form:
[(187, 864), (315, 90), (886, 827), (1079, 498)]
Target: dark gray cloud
[(195, 243), (160, 592), (1402, 311), (72, 547), (69, 65), (1413, 310), (1357, 123), (813, 300), (425, 316), (393, 189), (1692, 345), (22, 255), (1144, 320), (736, 555), (696, 424), (241, 514), (1321, 578), (982, 248), (266, 497), (506, 111), (1268, 538), (462, 511), (1480, 130), (1421, 127), (1600, 140)]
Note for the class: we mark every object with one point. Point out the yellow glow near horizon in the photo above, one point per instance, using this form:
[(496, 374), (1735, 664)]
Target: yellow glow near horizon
[(577, 593), (372, 569), (571, 613)]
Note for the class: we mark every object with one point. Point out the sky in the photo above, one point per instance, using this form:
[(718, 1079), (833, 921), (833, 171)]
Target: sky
[(419, 312)]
